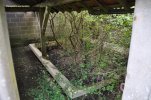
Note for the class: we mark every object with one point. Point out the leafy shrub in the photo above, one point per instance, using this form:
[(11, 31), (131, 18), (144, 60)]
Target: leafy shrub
[(47, 90)]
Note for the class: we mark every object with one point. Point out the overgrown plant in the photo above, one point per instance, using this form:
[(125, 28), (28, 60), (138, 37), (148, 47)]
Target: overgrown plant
[(83, 39), (47, 89)]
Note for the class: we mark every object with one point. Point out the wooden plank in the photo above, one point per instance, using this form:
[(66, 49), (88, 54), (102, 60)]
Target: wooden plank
[(56, 74)]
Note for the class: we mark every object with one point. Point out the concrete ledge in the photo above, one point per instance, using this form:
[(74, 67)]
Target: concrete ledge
[(65, 84)]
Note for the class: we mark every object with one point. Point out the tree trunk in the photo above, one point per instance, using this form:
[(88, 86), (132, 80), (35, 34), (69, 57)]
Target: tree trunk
[(44, 16)]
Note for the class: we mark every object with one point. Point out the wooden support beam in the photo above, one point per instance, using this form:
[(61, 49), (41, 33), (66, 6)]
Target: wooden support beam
[(56, 74), (44, 16)]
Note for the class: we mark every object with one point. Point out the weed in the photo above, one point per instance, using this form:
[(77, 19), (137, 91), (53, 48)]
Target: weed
[(47, 90)]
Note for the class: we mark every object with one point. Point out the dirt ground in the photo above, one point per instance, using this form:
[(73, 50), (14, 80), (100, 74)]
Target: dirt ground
[(27, 69), (65, 64)]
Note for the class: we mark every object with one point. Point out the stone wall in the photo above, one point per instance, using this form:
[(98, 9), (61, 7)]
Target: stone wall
[(23, 28)]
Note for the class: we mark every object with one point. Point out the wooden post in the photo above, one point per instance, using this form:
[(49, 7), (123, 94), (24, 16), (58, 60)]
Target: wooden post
[(138, 79), (8, 86), (44, 16)]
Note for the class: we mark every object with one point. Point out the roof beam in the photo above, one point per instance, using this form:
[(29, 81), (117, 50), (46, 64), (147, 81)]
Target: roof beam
[(52, 3), (22, 8), (62, 5), (85, 5), (101, 6), (123, 3), (111, 11)]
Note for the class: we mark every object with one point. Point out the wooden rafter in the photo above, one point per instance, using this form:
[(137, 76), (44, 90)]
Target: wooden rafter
[(85, 5), (52, 3), (111, 11), (101, 6), (22, 9), (48, 3), (123, 3), (71, 5)]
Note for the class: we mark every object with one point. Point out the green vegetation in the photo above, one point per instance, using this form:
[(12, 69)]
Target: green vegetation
[(84, 57), (47, 89)]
